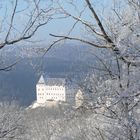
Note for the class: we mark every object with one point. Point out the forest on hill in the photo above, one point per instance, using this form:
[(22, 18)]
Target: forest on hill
[(93, 43)]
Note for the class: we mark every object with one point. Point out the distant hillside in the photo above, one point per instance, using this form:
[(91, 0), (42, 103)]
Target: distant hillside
[(19, 83)]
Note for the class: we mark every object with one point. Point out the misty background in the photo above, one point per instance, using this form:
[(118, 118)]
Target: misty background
[(64, 60)]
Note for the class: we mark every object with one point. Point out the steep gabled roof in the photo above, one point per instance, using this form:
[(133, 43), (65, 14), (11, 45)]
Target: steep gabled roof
[(52, 81), (41, 80), (55, 81)]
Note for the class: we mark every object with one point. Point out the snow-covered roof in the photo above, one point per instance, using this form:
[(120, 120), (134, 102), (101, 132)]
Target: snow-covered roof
[(52, 81), (55, 81)]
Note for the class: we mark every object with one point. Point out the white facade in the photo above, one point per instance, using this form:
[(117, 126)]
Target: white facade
[(56, 93), (40, 90), (50, 89), (55, 89)]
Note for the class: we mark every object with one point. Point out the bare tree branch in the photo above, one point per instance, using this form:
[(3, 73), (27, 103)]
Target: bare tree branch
[(99, 22), (78, 39), (8, 68)]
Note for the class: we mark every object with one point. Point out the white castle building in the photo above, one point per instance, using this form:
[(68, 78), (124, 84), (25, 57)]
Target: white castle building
[(56, 89)]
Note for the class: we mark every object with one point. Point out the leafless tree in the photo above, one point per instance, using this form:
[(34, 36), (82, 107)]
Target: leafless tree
[(20, 20), (117, 34), (12, 124)]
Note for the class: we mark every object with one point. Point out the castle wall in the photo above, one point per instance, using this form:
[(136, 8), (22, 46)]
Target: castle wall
[(44, 93), (56, 93)]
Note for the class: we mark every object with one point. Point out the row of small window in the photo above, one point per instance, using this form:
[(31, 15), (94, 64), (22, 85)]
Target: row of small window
[(57, 98), (55, 89), (53, 94), (52, 98), (41, 89), (40, 93), (50, 89)]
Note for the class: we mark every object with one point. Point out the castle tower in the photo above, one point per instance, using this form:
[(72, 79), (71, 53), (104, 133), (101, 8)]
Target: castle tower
[(41, 90), (79, 98)]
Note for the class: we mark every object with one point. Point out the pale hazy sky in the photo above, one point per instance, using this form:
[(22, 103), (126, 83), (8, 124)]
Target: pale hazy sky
[(56, 26), (63, 26)]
